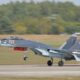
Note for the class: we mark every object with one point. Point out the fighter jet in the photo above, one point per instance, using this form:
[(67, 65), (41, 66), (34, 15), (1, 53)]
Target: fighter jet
[(70, 50)]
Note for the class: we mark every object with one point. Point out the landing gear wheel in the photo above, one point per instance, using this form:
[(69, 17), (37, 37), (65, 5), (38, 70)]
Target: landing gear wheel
[(49, 63), (60, 63), (25, 58)]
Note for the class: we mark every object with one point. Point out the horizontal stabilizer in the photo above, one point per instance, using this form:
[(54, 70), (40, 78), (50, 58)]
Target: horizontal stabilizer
[(77, 56)]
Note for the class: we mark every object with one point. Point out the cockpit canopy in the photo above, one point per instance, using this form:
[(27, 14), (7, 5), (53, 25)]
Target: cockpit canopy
[(12, 38)]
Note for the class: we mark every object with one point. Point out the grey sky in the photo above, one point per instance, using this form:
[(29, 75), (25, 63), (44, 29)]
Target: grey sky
[(75, 1)]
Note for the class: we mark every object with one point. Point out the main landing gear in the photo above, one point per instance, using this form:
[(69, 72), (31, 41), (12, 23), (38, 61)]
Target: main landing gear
[(50, 62), (60, 63)]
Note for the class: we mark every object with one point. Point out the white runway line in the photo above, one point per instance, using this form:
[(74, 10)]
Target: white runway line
[(41, 74), (38, 71)]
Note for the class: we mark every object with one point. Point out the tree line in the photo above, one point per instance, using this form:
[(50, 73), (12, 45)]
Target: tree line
[(47, 17)]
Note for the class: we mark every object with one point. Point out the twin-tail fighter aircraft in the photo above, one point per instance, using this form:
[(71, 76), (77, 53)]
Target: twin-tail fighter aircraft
[(70, 50)]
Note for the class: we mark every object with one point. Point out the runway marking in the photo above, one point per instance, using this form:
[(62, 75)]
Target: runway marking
[(38, 71), (41, 73)]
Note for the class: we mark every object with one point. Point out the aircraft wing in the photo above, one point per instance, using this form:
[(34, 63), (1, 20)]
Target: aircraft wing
[(16, 42), (36, 47), (42, 49), (69, 51)]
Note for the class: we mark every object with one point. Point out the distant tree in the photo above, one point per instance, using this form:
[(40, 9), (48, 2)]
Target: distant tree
[(72, 29), (5, 26), (19, 28), (32, 18)]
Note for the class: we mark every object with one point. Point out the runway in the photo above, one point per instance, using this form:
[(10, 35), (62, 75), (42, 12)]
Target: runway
[(38, 70)]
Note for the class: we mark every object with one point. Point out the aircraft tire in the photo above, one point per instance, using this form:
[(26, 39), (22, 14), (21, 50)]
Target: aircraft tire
[(24, 58), (60, 63), (49, 63)]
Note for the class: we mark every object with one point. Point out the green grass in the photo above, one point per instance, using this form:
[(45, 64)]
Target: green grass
[(54, 78), (9, 56)]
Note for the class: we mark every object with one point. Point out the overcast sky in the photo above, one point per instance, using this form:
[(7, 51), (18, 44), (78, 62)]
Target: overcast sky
[(75, 1)]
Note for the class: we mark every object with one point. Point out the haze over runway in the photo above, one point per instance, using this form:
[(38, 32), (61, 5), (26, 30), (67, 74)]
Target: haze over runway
[(39, 70)]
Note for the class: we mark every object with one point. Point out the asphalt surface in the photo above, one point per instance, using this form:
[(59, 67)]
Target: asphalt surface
[(39, 70)]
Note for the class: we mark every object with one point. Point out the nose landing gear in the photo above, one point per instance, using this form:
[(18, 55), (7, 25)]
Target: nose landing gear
[(25, 58)]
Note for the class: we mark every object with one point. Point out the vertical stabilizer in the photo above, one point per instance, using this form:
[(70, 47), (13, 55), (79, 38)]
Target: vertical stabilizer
[(70, 42)]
